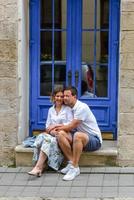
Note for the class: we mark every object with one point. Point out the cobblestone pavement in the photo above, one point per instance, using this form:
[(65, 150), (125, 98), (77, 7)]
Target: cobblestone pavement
[(93, 183)]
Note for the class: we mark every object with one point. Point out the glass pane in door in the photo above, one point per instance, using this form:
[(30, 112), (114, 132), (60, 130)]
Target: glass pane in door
[(102, 81), (45, 80), (46, 45)]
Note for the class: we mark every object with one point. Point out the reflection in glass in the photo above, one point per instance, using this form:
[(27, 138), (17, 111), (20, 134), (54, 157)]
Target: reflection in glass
[(87, 83), (104, 47), (60, 75), (45, 80), (95, 13), (95, 51), (94, 84), (46, 77), (46, 46), (60, 13), (46, 14), (87, 46), (63, 46), (88, 13), (101, 81), (100, 47), (104, 14), (60, 45)]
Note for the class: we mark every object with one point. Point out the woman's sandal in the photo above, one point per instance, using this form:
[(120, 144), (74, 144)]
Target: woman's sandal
[(38, 173)]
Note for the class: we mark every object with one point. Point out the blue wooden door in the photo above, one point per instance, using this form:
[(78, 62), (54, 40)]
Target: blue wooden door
[(75, 43)]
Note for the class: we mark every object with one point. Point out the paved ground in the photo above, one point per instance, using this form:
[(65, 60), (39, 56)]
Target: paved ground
[(93, 183)]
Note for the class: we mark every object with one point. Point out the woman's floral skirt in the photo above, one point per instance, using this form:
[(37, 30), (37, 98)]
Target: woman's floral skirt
[(48, 144)]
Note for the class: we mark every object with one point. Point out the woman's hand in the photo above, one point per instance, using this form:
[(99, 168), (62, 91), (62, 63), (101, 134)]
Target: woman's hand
[(53, 133), (52, 127), (60, 127)]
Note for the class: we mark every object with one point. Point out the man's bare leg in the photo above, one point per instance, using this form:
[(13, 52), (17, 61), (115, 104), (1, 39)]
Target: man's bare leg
[(80, 141)]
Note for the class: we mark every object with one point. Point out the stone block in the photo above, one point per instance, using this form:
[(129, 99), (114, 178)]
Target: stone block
[(126, 61), (92, 160), (1, 12), (126, 123), (8, 50), (127, 41), (126, 104), (8, 2), (8, 122), (8, 105), (126, 147), (8, 88), (9, 139), (127, 5), (8, 30), (7, 157), (125, 163), (10, 12), (23, 156), (127, 79), (127, 21), (8, 69)]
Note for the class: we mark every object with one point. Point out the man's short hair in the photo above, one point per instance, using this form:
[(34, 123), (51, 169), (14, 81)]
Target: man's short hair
[(73, 90)]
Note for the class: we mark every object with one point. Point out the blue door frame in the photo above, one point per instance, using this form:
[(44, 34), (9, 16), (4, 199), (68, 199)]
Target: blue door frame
[(105, 109)]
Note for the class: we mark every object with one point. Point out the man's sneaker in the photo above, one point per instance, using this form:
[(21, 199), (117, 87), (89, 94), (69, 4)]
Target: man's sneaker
[(66, 169), (72, 173)]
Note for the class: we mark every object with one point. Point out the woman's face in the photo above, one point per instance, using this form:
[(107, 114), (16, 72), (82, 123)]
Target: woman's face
[(59, 98)]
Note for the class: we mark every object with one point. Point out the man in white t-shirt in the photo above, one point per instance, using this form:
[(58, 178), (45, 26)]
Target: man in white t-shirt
[(86, 137)]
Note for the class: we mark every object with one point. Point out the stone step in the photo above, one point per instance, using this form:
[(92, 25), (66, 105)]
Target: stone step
[(105, 156)]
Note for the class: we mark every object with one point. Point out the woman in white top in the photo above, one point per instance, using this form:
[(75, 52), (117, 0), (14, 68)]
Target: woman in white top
[(47, 142)]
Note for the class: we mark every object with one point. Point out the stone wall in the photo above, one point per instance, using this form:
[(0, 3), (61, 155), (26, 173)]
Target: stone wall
[(8, 81), (126, 85)]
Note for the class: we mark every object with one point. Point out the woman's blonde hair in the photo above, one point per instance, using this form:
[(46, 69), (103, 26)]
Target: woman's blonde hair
[(55, 91)]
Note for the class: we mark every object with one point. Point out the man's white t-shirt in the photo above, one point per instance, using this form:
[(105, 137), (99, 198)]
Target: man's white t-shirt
[(82, 112)]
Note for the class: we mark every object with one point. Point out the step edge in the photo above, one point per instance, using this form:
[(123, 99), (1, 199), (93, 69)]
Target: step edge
[(108, 151)]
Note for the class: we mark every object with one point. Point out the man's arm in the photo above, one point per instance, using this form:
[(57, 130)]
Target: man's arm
[(72, 125)]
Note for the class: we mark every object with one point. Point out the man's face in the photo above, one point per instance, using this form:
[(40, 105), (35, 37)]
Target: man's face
[(69, 99)]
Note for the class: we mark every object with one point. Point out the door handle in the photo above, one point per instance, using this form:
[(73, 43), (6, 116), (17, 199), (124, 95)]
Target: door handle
[(76, 78), (69, 77)]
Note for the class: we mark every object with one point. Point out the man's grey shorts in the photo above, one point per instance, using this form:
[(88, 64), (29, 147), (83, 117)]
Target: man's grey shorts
[(93, 144)]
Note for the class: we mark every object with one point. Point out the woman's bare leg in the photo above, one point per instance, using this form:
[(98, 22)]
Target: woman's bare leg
[(65, 141), (40, 165)]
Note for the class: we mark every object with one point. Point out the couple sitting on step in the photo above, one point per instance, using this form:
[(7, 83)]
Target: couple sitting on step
[(70, 128)]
